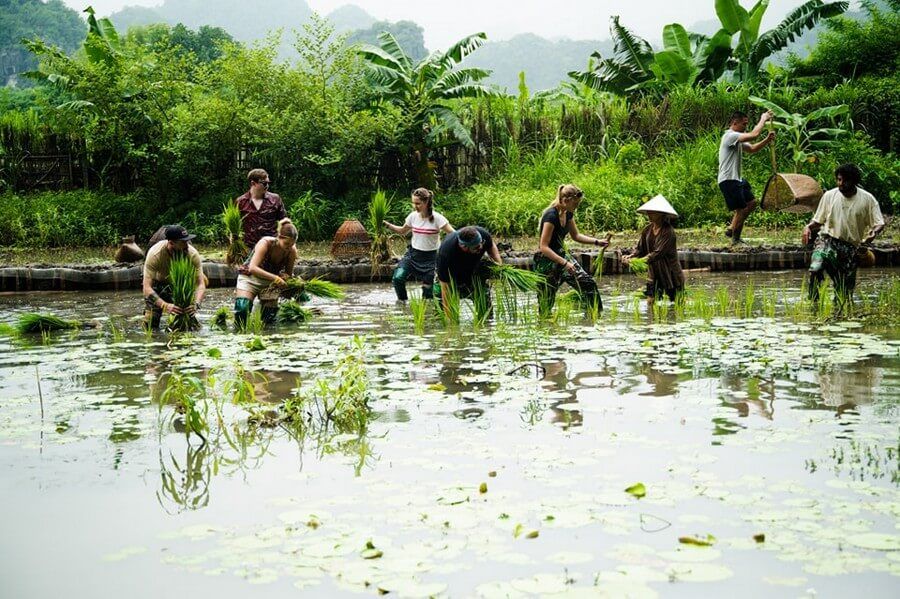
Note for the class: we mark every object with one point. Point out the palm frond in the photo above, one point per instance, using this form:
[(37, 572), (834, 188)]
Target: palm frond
[(802, 18), (458, 77), (458, 51), (390, 45), (631, 49), (447, 121)]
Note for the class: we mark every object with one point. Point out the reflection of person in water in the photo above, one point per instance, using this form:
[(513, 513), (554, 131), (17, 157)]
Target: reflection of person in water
[(850, 386), (556, 373)]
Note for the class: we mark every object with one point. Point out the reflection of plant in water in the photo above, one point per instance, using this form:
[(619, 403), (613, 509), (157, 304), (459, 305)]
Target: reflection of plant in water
[(185, 483)]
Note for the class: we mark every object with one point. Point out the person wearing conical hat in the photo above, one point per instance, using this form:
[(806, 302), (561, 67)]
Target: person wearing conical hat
[(657, 243), (553, 261)]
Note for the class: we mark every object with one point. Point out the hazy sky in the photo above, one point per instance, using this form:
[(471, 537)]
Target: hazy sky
[(446, 22)]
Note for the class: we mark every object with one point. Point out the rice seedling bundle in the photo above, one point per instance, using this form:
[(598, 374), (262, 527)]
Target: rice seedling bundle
[(291, 311), (33, 322), (418, 307), (221, 317), (523, 280), (379, 208), (237, 250), (638, 266), (295, 286), (183, 279)]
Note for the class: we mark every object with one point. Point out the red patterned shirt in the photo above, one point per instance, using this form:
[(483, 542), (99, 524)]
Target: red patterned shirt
[(261, 222)]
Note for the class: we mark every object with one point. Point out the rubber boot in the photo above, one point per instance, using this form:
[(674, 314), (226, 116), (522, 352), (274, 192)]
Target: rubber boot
[(242, 307), (399, 281)]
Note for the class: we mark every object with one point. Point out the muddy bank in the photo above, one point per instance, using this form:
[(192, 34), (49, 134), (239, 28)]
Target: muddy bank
[(50, 277)]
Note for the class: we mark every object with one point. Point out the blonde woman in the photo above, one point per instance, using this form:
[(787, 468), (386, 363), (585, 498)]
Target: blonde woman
[(426, 226), (553, 261), (270, 260)]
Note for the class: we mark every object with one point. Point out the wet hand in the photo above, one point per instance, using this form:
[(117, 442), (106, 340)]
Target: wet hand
[(570, 267), (767, 116), (243, 269), (171, 309), (278, 282)]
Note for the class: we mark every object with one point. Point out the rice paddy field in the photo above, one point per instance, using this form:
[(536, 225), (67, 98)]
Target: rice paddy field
[(742, 444)]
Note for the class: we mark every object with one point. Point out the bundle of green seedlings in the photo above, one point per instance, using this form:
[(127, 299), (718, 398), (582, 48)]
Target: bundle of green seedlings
[(222, 317), (523, 280), (231, 218), (294, 286), (379, 208), (291, 311), (183, 279), (33, 322), (638, 266)]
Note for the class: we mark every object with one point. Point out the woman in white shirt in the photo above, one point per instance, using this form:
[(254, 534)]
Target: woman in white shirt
[(419, 261)]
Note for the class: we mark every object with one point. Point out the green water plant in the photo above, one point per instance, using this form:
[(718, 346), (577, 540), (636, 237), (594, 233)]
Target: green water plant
[(187, 394), (222, 317), (292, 312), (34, 322), (234, 233), (418, 308), (183, 279), (379, 208)]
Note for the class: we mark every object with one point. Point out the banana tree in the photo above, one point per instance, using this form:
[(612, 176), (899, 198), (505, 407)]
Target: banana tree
[(805, 140), (422, 92), (686, 59), (754, 48)]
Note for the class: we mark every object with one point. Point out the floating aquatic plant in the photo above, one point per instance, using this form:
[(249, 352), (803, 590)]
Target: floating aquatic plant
[(291, 311), (188, 395), (233, 221), (33, 322), (183, 279)]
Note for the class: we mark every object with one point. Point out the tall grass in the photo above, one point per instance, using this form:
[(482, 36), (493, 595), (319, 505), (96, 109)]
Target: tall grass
[(379, 208)]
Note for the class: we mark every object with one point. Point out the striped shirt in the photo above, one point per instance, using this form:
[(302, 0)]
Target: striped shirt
[(426, 234)]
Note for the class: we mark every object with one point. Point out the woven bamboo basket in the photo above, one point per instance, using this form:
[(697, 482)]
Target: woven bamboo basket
[(351, 241), (791, 192)]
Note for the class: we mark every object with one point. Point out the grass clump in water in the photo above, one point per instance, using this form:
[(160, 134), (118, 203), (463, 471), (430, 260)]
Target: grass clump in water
[(222, 318), (188, 395), (418, 308), (292, 312), (297, 286), (33, 322)]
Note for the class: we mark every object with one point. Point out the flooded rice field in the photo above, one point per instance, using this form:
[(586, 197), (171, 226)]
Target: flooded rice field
[(743, 451)]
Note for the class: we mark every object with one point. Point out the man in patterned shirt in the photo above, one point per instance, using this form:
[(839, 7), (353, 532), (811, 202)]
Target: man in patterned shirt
[(260, 209)]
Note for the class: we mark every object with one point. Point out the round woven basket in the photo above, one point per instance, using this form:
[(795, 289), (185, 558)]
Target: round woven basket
[(791, 192), (351, 241)]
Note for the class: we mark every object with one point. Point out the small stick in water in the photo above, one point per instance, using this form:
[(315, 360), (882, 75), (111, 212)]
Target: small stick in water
[(40, 394)]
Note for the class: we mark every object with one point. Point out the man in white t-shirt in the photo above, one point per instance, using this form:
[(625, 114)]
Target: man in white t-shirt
[(847, 218), (738, 195)]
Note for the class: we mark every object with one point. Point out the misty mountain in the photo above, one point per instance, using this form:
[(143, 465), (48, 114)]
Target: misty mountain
[(546, 63), (350, 17)]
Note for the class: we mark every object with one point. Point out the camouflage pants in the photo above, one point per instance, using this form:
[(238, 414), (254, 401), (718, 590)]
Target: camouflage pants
[(556, 275), (837, 259)]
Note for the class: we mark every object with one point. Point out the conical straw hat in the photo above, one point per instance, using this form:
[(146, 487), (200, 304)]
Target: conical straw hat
[(658, 204)]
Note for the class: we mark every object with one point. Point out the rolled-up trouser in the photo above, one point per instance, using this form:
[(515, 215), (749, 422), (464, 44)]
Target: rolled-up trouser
[(836, 258), (556, 275), (152, 312)]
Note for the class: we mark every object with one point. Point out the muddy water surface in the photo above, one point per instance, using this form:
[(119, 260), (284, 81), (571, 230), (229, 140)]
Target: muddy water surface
[(495, 463)]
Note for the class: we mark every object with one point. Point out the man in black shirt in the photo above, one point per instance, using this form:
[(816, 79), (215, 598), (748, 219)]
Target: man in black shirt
[(458, 260)]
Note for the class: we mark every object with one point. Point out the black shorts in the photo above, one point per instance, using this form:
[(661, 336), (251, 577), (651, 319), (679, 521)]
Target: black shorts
[(737, 193)]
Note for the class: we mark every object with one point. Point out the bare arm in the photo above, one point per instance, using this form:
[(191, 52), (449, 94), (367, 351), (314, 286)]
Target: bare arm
[(754, 148), (577, 236), (756, 131), (873, 234), (201, 286), (447, 228), (494, 253), (147, 288), (398, 230)]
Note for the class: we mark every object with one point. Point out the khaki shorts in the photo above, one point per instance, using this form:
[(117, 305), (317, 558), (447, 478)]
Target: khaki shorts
[(252, 283)]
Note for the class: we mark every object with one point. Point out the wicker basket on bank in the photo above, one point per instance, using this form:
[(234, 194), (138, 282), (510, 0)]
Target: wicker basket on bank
[(351, 241), (791, 192)]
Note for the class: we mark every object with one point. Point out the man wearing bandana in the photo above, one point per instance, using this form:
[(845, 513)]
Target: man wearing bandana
[(459, 261)]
